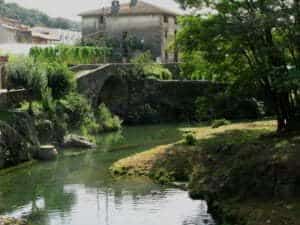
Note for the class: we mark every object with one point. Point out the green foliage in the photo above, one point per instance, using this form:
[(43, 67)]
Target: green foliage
[(163, 176), (70, 55), (18, 71), (146, 66), (220, 123), (36, 107), (190, 140), (76, 108), (24, 73), (34, 17), (251, 46), (106, 120), (60, 80)]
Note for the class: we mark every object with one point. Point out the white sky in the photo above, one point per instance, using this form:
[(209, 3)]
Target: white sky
[(71, 8)]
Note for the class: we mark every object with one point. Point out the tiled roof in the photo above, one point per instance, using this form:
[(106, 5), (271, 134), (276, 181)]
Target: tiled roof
[(141, 8), (13, 24)]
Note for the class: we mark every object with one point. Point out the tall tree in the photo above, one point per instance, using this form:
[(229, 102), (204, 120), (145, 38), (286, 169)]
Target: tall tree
[(253, 42)]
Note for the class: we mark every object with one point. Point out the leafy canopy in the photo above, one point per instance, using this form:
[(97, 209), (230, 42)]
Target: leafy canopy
[(250, 44)]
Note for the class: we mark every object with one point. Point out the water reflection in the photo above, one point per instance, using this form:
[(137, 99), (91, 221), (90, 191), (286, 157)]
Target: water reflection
[(80, 191)]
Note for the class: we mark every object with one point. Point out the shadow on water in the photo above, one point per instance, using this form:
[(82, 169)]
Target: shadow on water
[(78, 189)]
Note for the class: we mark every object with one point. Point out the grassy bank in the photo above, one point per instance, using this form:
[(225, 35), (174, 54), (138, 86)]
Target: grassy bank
[(247, 173)]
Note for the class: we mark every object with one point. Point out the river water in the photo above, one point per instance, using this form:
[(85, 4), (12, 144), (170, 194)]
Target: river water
[(78, 189)]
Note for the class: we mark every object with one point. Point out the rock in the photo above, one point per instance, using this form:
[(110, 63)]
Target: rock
[(180, 185), (11, 221), (75, 141), (47, 153), (18, 139)]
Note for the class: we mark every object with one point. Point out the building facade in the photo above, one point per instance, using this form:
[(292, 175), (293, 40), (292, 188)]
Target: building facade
[(46, 35), (13, 32), (153, 27)]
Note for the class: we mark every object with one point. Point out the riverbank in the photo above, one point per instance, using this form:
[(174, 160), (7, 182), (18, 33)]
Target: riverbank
[(11, 221), (246, 173), (71, 189)]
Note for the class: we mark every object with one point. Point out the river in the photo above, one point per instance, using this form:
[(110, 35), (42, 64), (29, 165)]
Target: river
[(78, 189)]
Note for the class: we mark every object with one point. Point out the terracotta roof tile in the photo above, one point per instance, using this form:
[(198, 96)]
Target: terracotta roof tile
[(141, 8)]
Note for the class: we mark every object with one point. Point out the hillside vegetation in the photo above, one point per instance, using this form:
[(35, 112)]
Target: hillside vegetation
[(34, 17)]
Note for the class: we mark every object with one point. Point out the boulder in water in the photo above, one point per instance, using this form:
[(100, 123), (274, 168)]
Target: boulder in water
[(75, 141), (47, 153)]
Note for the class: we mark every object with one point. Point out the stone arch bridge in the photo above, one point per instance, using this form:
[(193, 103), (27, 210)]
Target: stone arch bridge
[(141, 100)]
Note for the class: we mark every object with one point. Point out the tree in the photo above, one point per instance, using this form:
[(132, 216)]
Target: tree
[(24, 73), (253, 44), (61, 80)]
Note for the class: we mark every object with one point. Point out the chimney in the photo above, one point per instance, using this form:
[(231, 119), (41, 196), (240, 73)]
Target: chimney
[(115, 7), (133, 3)]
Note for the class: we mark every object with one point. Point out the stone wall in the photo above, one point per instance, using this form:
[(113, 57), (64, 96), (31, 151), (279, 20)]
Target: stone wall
[(152, 30), (150, 101), (143, 100), (12, 98)]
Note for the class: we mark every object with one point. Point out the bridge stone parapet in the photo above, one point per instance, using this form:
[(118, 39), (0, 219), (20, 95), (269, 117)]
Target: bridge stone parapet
[(138, 100)]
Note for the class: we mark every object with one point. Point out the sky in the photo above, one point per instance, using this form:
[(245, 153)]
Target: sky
[(71, 8)]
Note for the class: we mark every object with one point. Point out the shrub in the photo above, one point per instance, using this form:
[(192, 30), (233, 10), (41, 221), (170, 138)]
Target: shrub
[(146, 66), (106, 120), (18, 72), (37, 108), (220, 123), (77, 109), (60, 80), (190, 140), (70, 55)]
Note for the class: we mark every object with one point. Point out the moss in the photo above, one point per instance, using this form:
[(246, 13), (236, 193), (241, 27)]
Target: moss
[(11, 221)]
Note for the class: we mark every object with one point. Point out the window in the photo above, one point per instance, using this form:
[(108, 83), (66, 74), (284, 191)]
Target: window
[(166, 34), (101, 20), (166, 19), (124, 35)]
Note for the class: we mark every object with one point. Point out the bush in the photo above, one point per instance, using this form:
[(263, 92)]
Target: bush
[(60, 80), (70, 55), (18, 72), (76, 108), (106, 120), (220, 123), (37, 108), (146, 66), (22, 72), (190, 140)]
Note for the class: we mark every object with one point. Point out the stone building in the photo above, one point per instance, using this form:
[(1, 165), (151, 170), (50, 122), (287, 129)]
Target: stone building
[(11, 31), (46, 35), (152, 26)]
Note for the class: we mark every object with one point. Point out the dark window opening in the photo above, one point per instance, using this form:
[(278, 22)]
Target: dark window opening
[(101, 20), (166, 19), (166, 56), (125, 35), (166, 34)]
